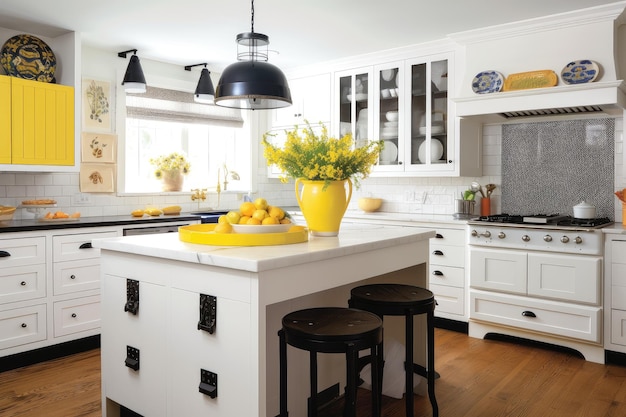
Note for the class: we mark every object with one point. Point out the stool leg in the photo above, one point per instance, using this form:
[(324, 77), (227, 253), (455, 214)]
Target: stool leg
[(375, 364), (350, 404), (313, 372), (408, 364), (283, 374), (430, 322)]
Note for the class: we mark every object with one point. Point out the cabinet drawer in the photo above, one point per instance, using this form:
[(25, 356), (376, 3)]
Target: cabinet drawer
[(447, 255), (618, 327), (446, 275), (22, 283), (552, 317), (24, 251), (618, 249), (76, 276), (73, 316), (22, 325), (452, 237), (449, 299), (73, 247)]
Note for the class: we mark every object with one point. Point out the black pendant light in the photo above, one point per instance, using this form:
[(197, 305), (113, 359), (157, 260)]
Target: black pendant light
[(252, 83), (204, 91), (134, 81)]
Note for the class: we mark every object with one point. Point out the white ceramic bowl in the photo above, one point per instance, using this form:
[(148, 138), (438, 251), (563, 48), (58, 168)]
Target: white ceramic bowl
[(436, 151), (385, 93), (261, 228), (392, 116), (370, 204)]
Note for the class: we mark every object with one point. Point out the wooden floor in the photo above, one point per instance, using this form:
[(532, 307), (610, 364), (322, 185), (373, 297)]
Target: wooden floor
[(479, 378)]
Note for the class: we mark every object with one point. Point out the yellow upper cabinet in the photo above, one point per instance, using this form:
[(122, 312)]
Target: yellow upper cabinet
[(42, 123), (5, 120)]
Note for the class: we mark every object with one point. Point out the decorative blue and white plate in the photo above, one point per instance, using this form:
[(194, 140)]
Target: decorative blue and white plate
[(28, 57), (580, 72), (486, 82)]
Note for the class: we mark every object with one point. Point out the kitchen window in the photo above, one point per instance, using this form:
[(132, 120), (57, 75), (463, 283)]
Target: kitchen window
[(215, 140)]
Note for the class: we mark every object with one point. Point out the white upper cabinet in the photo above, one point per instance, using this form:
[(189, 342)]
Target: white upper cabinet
[(311, 102)]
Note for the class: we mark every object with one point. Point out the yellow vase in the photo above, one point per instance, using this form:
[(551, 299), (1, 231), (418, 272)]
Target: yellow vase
[(323, 209)]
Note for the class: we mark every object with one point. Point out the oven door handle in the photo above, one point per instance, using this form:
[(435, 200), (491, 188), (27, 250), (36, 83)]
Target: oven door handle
[(527, 313)]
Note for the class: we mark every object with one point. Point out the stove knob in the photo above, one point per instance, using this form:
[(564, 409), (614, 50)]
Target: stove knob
[(547, 238), (474, 233), (486, 234), (501, 235), (578, 240), (526, 238), (564, 239)]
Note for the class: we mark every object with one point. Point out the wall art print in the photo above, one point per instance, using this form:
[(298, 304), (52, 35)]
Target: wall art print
[(97, 106), (97, 178), (98, 147)]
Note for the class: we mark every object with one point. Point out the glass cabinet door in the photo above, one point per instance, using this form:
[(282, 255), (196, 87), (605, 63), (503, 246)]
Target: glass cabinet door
[(428, 89), (354, 105), (389, 118)]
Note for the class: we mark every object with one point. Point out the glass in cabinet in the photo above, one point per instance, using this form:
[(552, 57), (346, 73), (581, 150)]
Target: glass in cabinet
[(389, 117), (353, 88)]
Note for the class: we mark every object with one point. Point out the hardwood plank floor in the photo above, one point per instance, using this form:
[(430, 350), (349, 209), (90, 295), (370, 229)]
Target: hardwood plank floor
[(479, 378)]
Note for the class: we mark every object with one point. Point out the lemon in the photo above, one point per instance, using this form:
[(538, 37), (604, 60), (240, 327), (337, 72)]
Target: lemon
[(270, 220), (223, 228), (276, 212), (247, 208), (253, 221), (285, 221), (260, 204), (137, 213), (259, 214), (222, 219), (233, 217), (244, 219)]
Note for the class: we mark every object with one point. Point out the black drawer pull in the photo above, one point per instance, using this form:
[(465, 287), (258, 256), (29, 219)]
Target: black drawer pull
[(438, 236), (438, 252), (4, 254), (438, 273), (85, 246), (72, 276), (528, 314), (23, 283), (73, 315), (24, 325)]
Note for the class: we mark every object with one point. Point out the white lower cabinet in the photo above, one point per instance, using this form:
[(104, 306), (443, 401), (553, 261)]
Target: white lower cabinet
[(447, 272), (22, 326), (615, 293)]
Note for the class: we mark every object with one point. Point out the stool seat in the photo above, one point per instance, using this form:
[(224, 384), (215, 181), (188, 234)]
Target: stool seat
[(333, 330), (408, 301)]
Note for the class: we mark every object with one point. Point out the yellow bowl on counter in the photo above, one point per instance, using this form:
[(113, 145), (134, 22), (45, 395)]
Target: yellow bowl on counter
[(370, 204)]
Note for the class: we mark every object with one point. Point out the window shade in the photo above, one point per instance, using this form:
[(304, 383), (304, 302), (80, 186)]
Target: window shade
[(179, 106)]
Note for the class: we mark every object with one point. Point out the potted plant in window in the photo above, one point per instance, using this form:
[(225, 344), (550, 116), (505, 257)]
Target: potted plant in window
[(171, 170), (325, 168)]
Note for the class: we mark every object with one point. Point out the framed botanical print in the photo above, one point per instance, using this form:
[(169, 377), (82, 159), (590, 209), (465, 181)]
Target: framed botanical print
[(97, 178), (97, 106), (98, 147)]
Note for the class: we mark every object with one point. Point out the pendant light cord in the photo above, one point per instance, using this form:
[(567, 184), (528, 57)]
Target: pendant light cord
[(252, 14)]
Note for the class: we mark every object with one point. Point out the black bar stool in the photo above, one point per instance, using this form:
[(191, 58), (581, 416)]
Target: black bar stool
[(407, 301), (333, 330)]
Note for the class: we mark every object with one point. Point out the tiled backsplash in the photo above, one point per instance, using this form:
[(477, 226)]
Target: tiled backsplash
[(549, 167), (402, 195)]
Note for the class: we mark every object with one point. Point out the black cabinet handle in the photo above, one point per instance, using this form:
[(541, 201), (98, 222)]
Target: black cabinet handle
[(85, 246), (24, 325), (73, 315), (438, 273), (72, 276), (438, 236), (527, 313), (23, 283), (438, 252), (4, 254)]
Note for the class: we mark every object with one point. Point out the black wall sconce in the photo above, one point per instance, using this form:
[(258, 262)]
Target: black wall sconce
[(204, 91), (134, 81)]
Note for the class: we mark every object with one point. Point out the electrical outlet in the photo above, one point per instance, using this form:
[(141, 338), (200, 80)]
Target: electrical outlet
[(82, 198)]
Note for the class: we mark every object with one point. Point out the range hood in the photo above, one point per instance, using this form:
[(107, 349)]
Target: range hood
[(548, 43), (599, 98)]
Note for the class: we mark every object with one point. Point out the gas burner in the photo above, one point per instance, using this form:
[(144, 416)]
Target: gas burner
[(572, 221)]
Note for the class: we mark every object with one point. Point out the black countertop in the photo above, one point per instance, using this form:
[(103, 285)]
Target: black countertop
[(95, 221)]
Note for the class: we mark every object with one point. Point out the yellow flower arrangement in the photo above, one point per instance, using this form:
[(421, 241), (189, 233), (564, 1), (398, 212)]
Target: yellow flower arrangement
[(169, 165), (321, 158)]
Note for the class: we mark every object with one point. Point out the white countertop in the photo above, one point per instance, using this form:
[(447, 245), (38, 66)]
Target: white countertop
[(616, 228), (352, 238)]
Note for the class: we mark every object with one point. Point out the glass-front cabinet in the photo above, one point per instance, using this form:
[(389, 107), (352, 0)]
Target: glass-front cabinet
[(406, 104)]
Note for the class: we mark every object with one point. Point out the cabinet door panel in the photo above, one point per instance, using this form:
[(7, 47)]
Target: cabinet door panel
[(73, 316), (25, 251), (499, 270), (5, 120), (565, 277), (22, 325), (22, 283), (73, 276), (42, 123)]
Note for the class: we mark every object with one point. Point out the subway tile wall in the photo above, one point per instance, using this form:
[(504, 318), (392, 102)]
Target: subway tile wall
[(401, 195)]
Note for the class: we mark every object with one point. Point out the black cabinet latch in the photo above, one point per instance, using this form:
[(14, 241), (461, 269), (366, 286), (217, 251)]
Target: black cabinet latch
[(208, 313), (132, 358), (208, 383), (132, 296)]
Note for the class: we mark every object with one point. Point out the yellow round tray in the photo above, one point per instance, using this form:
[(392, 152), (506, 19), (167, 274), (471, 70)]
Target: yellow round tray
[(204, 235)]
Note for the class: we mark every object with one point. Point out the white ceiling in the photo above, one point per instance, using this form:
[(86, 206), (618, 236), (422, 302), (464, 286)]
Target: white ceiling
[(302, 32)]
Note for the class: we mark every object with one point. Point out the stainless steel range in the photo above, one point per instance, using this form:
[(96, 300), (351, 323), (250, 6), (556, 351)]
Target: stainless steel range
[(538, 277)]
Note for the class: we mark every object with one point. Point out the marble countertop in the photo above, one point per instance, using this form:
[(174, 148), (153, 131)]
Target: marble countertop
[(352, 238)]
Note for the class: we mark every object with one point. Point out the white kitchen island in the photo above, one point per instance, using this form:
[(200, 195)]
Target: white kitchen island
[(253, 288)]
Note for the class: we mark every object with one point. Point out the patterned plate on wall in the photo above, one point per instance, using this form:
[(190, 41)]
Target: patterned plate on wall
[(487, 82), (580, 72), (28, 57)]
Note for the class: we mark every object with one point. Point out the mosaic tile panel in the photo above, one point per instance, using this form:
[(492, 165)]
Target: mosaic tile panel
[(549, 167)]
